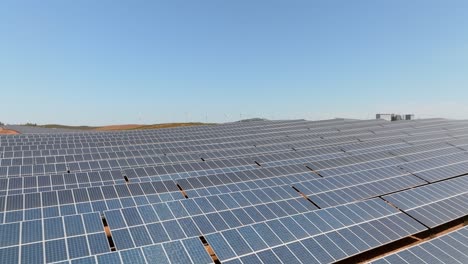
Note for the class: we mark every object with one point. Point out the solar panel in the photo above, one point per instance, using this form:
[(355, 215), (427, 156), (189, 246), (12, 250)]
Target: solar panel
[(434, 204), (449, 248), (262, 192)]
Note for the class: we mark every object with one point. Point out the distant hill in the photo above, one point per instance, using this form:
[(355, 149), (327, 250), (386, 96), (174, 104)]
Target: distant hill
[(125, 126)]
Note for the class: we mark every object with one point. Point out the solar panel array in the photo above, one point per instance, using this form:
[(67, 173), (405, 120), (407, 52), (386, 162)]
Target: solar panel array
[(23, 129), (292, 191), (449, 248)]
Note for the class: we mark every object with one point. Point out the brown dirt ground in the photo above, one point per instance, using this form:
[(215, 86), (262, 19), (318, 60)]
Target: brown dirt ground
[(7, 131)]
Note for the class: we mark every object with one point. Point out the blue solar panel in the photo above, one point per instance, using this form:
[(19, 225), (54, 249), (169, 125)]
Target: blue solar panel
[(448, 248), (98, 243), (176, 252), (122, 239), (140, 235), (74, 225), (157, 232), (133, 256), (240, 197), (196, 251), (77, 247), (31, 231), (56, 250), (32, 253), (9, 255), (10, 234), (109, 258)]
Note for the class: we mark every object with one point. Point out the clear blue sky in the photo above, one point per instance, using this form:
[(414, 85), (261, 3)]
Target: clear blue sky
[(105, 62)]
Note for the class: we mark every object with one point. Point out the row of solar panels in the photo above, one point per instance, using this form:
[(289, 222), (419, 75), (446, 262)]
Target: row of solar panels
[(215, 150), (115, 163), (155, 173), (49, 204), (164, 149), (232, 236), (10, 154), (183, 157), (265, 124), (354, 127), (449, 248), (43, 183), (198, 145), (207, 132), (104, 164), (63, 203), (257, 242), (29, 183), (332, 128), (246, 214)]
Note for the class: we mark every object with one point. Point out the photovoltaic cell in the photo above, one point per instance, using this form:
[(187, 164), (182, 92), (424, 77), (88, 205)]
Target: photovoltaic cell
[(247, 213)]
